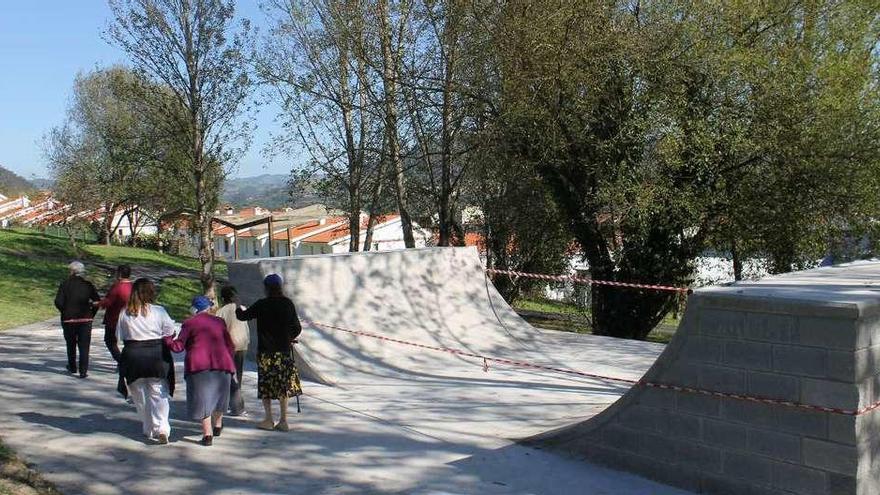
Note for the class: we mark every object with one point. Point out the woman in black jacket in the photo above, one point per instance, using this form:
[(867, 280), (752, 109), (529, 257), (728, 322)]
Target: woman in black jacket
[(75, 300), (277, 327)]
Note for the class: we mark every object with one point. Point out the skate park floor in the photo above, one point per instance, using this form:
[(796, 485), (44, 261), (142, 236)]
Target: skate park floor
[(448, 432)]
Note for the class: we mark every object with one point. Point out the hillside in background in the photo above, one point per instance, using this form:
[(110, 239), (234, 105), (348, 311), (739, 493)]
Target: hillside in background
[(267, 190), (12, 184)]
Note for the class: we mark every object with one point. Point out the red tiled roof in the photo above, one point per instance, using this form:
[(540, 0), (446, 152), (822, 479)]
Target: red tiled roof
[(343, 231), (304, 229)]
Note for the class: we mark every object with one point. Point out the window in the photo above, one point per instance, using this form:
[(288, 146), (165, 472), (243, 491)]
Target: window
[(375, 246), (226, 245)]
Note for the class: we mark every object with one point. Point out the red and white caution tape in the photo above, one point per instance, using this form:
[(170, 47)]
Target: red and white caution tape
[(642, 383), (583, 280), (78, 320)]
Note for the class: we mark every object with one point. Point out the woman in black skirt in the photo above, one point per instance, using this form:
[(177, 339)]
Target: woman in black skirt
[(277, 327)]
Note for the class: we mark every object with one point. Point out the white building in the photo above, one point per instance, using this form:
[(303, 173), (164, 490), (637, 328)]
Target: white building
[(387, 236)]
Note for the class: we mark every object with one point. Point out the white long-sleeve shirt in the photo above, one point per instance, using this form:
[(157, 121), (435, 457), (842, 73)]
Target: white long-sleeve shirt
[(237, 329), (156, 324)]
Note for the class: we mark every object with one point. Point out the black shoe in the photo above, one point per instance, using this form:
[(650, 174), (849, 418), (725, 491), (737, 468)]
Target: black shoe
[(218, 430), (207, 441), (70, 370), (83, 375)]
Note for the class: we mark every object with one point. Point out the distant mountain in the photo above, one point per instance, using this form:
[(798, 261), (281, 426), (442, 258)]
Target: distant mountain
[(42, 184), (12, 184), (267, 190)]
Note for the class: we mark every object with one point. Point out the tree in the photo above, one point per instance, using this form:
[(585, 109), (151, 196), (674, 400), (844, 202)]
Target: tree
[(101, 154), (648, 120), (393, 19), (199, 95), (315, 61)]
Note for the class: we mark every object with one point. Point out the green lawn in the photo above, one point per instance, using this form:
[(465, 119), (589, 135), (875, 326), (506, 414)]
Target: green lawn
[(33, 264), (568, 317)]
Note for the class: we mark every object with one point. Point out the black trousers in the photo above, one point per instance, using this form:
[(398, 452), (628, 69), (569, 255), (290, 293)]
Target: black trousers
[(236, 401), (111, 342), (78, 336)]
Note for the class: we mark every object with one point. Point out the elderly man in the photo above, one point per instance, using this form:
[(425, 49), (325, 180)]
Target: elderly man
[(75, 300)]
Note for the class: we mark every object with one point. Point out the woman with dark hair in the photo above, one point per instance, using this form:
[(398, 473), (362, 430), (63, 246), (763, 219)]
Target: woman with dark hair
[(277, 327), (208, 367), (145, 361), (113, 303), (238, 331)]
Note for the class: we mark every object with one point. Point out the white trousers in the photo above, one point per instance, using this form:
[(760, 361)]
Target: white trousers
[(150, 396)]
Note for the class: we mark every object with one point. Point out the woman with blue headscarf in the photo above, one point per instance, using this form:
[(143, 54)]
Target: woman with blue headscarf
[(277, 327), (208, 367)]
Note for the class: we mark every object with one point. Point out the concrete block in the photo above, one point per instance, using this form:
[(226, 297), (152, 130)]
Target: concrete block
[(829, 393), (656, 446), (719, 485), (774, 386), (842, 429), (802, 422), (830, 456), (755, 469), (722, 323), (621, 438), (685, 426), (842, 365), (659, 398), (798, 360), (703, 349), (839, 484), (831, 333), (645, 419), (748, 355), (728, 435), (701, 405), (700, 457), (721, 379), (682, 373), (776, 445), (752, 413), (799, 479), (767, 327)]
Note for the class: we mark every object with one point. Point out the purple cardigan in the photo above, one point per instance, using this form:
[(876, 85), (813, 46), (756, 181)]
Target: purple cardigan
[(207, 344)]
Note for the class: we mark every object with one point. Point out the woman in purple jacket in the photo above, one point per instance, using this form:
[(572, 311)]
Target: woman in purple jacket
[(208, 367)]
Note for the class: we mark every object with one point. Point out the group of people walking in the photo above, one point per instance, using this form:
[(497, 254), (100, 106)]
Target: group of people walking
[(215, 343)]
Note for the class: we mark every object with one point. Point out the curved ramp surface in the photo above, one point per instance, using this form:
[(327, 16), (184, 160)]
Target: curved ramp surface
[(808, 341), (439, 297)]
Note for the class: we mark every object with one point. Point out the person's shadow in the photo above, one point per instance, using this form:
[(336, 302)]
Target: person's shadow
[(88, 423)]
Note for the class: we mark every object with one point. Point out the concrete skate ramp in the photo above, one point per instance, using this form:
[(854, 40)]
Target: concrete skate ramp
[(811, 338), (435, 296)]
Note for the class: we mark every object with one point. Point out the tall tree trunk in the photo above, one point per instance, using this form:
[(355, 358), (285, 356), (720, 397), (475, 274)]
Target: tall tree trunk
[(737, 262), (107, 227), (390, 72)]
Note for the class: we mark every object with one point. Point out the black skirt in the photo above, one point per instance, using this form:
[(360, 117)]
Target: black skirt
[(147, 359)]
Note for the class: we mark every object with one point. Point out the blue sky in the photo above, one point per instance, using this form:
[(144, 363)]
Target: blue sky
[(43, 44)]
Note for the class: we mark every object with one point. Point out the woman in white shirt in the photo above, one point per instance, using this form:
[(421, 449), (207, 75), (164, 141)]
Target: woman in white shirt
[(146, 363), (238, 331)]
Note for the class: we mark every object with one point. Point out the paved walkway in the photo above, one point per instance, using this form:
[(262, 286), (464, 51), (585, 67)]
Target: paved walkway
[(382, 437)]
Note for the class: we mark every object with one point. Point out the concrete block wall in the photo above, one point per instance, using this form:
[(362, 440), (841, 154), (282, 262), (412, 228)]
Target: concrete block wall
[(810, 350)]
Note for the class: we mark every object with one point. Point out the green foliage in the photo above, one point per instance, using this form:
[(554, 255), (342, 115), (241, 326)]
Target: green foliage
[(33, 264), (176, 293), (663, 128)]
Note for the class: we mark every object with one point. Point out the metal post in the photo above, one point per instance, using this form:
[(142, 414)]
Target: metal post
[(235, 242), (271, 243)]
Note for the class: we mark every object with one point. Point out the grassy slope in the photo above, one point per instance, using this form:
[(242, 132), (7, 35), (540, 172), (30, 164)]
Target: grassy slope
[(576, 319), (33, 264)]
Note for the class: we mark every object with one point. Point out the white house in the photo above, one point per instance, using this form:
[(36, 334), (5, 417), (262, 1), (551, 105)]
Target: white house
[(287, 237), (387, 235)]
